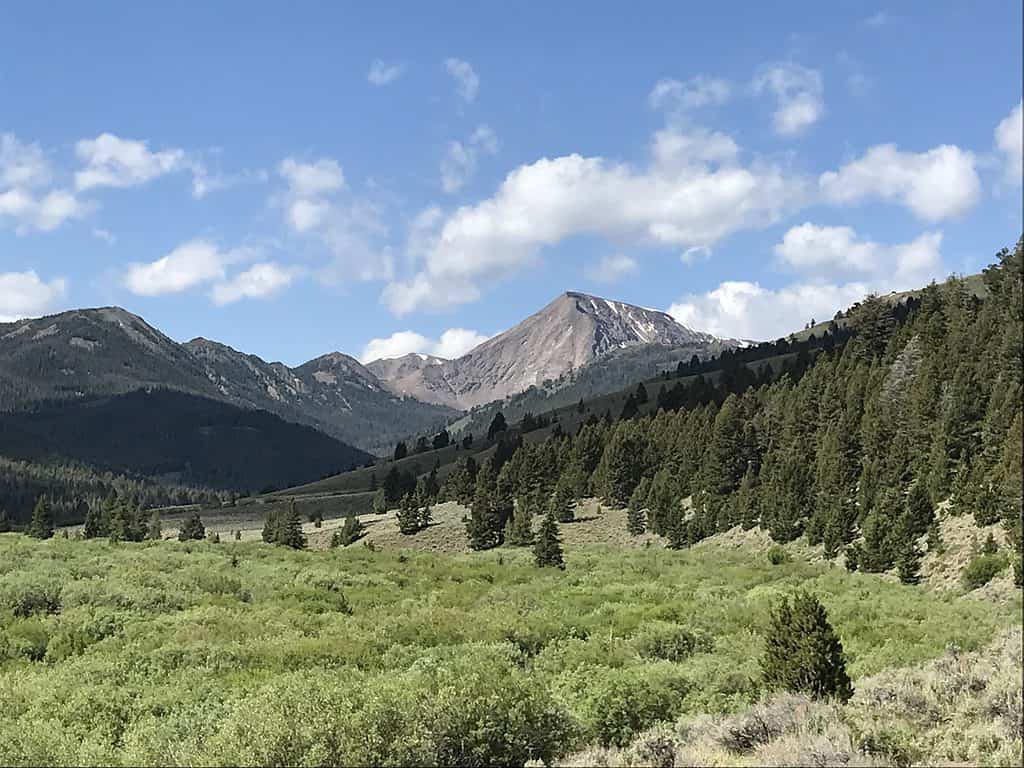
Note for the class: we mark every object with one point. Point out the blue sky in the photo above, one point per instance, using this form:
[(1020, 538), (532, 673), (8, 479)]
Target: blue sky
[(298, 178)]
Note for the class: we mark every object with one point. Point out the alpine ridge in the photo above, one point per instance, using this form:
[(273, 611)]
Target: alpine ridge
[(574, 331)]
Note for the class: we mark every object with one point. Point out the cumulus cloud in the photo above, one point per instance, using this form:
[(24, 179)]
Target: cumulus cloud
[(1010, 141), (460, 161), (453, 343), (25, 203), (190, 264), (22, 165), (829, 251), (467, 82), (111, 161), (699, 91), (318, 203), (612, 268), (257, 282), (693, 193), (382, 74), (941, 183), (747, 310), (24, 294), (798, 92)]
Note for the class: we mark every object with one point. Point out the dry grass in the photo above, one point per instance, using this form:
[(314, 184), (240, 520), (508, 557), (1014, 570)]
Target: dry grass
[(960, 709)]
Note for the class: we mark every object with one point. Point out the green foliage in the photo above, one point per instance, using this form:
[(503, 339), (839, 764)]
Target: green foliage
[(547, 552), (803, 653), (413, 516), (192, 529), (981, 570), (41, 526), (351, 531), (777, 555)]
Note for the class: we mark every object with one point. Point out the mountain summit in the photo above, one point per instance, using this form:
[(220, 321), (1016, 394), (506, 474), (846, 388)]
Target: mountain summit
[(570, 333)]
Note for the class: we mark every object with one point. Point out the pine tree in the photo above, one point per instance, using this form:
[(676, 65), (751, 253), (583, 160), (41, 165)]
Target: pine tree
[(192, 528), (408, 515), (290, 531), (380, 501), (41, 526), (548, 549), (5, 521), (401, 451), (803, 653), (908, 562), (562, 501), (272, 526), (641, 394), (96, 522), (497, 426), (919, 514), (349, 533), (154, 530)]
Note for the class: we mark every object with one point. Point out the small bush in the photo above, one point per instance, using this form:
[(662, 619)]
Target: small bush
[(668, 642), (778, 555), (981, 570)]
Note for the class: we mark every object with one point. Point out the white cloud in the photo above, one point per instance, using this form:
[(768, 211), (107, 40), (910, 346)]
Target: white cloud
[(111, 161), (382, 74), (204, 181), (879, 19), (747, 310), (44, 213), (612, 268), (699, 91), (453, 343), (460, 161), (22, 165), (693, 193), (188, 265), (467, 83), (798, 91), (24, 294), (1010, 141), (827, 251), (938, 184), (257, 282), (317, 203)]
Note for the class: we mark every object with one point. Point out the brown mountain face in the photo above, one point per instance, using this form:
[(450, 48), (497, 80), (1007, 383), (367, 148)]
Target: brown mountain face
[(572, 332)]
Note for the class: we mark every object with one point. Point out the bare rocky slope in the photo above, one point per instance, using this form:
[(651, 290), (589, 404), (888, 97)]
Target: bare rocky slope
[(569, 334)]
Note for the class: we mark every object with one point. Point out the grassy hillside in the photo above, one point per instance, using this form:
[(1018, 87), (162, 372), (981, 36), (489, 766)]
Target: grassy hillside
[(174, 654)]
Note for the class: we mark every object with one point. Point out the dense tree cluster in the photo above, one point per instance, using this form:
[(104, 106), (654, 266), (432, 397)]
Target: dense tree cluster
[(852, 442), (284, 527)]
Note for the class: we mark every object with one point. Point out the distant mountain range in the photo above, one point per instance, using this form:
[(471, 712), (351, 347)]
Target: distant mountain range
[(574, 331), (104, 388)]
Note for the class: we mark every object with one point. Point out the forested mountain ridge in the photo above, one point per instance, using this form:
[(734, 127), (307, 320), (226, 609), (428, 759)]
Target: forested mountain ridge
[(573, 332), (109, 351), (853, 448)]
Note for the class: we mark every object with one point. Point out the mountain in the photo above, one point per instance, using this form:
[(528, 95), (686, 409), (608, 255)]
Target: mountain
[(570, 334), (177, 438), (100, 352)]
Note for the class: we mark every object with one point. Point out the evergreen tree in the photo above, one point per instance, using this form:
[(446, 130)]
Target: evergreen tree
[(636, 522), (408, 515), (192, 528), (41, 526), (350, 532), (401, 451), (154, 530), (629, 409), (803, 653), (641, 394), (519, 532), (562, 501), (908, 556), (290, 529), (5, 521), (919, 513), (380, 502), (497, 426), (96, 522), (548, 549)]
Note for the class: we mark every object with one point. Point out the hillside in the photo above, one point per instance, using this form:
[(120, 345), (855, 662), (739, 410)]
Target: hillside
[(572, 333), (98, 352), (176, 438)]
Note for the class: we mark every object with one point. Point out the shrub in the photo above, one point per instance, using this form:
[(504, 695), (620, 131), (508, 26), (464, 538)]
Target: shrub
[(778, 555), (803, 652), (668, 642), (981, 570)]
